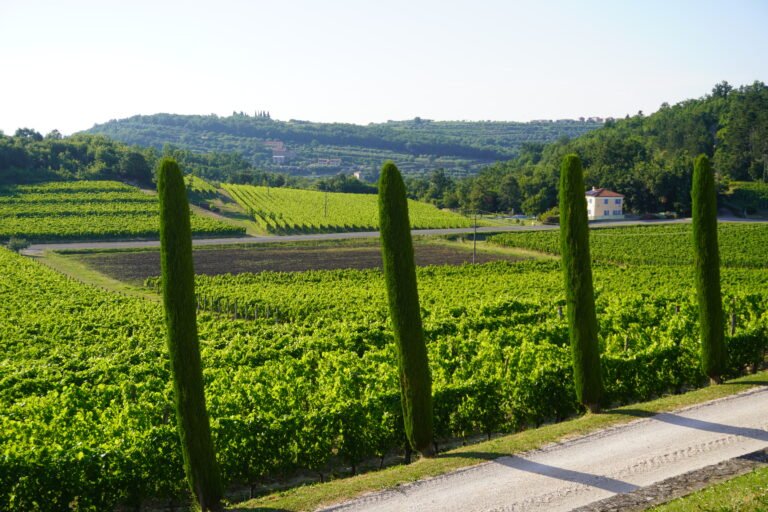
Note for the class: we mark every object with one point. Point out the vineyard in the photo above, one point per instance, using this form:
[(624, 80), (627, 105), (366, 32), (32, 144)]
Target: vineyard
[(741, 244), (283, 210), (87, 210), (300, 368)]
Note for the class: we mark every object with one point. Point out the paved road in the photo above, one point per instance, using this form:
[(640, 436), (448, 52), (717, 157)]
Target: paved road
[(35, 249), (581, 471)]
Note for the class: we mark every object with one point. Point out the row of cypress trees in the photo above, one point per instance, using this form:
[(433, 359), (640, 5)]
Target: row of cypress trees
[(577, 270), (200, 464)]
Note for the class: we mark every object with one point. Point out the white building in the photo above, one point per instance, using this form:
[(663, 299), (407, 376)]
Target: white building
[(603, 204)]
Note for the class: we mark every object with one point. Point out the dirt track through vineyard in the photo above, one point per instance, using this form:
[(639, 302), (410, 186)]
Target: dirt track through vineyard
[(135, 267), (575, 473)]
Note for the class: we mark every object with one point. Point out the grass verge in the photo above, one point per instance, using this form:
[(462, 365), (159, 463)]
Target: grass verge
[(312, 496), (76, 269), (745, 493)]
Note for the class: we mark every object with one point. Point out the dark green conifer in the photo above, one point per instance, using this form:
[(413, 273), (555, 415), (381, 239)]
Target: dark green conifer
[(180, 316), (579, 293), (400, 276), (706, 260)]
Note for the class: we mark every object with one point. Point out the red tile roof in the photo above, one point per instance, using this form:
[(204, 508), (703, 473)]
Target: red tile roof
[(602, 192)]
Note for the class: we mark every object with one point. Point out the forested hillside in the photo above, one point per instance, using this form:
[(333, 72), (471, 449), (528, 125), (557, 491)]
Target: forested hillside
[(486, 166), (303, 147), (29, 157), (649, 159)]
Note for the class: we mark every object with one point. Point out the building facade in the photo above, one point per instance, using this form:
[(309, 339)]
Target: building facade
[(604, 204)]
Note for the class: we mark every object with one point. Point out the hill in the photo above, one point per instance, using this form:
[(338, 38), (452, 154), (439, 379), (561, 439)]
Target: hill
[(307, 148), (649, 159)]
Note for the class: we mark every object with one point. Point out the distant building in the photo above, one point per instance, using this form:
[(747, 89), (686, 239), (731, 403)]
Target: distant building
[(329, 162), (275, 145), (604, 204), (280, 153)]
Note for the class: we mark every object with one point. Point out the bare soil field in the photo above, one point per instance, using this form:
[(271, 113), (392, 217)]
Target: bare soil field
[(135, 267)]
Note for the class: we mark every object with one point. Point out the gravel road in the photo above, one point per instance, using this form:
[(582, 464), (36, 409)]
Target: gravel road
[(37, 249), (578, 472)]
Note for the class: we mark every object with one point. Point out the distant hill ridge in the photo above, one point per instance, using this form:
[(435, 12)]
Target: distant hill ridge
[(418, 145)]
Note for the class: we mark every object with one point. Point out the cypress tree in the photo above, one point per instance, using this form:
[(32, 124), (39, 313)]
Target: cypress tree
[(579, 293), (706, 261), (402, 292), (180, 317)]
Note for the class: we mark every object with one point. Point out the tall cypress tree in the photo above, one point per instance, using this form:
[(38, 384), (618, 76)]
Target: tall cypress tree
[(706, 261), (183, 346), (579, 293), (400, 276)]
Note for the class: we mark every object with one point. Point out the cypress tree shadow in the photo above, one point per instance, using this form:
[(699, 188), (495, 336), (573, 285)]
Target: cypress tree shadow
[(257, 509), (709, 426), (579, 477)]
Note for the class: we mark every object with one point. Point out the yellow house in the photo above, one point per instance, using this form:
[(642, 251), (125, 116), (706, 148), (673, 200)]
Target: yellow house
[(604, 204)]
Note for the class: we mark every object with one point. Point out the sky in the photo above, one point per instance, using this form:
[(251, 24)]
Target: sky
[(68, 65)]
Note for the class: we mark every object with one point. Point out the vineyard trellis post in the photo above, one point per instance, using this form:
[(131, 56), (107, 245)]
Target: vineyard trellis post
[(474, 241)]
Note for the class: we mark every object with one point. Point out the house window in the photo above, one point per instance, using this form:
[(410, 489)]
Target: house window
[(618, 201), (605, 201), (617, 212), (606, 212)]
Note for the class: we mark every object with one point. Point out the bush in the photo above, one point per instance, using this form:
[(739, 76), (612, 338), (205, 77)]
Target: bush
[(16, 244)]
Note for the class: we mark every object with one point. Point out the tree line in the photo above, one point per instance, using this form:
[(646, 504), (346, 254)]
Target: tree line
[(648, 159), (244, 134)]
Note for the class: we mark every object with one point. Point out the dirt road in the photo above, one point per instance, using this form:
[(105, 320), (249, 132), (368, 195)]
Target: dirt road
[(575, 473)]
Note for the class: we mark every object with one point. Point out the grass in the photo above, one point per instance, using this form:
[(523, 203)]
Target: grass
[(76, 269), (312, 496), (745, 493), (491, 248)]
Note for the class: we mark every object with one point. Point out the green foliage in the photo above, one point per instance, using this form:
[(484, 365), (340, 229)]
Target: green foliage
[(16, 244), (741, 244), (28, 157), (749, 196), (706, 262), (404, 310), (183, 346), (648, 159), (285, 210), (86, 401), (579, 293), (420, 144), (87, 210)]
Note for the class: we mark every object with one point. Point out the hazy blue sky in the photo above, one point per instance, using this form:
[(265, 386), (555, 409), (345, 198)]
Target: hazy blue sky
[(70, 64)]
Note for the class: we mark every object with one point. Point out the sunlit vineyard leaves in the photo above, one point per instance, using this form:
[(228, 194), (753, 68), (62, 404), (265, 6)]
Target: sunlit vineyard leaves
[(87, 210), (284, 210), (305, 377), (742, 244)]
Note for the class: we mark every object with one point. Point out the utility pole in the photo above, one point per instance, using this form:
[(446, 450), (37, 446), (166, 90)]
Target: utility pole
[(474, 241)]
